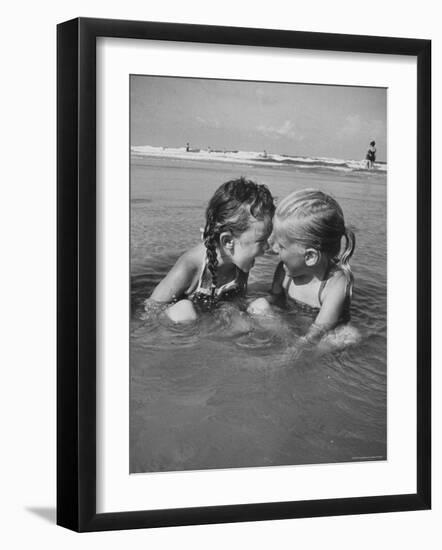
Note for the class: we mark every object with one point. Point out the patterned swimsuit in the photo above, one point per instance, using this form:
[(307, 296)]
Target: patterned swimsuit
[(203, 290)]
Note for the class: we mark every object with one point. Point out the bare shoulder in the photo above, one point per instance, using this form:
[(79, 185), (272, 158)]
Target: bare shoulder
[(181, 277), (336, 284), (189, 263), (192, 259)]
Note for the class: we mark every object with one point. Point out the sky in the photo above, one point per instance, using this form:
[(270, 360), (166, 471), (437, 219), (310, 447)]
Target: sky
[(287, 119)]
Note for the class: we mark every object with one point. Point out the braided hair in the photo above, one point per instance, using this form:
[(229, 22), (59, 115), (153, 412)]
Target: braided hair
[(231, 209)]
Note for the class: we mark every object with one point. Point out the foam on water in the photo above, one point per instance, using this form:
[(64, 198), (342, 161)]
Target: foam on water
[(253, 157)]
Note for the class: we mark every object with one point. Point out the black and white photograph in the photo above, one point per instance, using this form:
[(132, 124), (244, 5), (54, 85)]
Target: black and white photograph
[(258, 274), (220, 277)]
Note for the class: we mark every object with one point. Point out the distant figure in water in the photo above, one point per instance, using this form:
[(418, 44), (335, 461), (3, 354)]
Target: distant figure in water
[(314, 274), (238, 225), (371, 155), (187, 147)]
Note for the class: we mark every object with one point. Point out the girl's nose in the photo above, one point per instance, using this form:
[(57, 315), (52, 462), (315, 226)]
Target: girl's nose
[(270, 249)]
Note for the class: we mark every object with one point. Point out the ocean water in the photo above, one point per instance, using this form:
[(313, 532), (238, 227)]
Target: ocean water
[(225, 392)]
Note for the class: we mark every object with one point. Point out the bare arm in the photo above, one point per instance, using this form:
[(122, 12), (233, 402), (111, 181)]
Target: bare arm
[(276, 293), (262, 306), (177, 281), (331, 309)]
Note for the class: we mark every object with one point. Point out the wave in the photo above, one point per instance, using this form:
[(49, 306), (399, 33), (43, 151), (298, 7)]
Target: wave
[(253, 157)]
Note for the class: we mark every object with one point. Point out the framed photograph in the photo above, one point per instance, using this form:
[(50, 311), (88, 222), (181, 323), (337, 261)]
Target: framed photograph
[(243, 274)]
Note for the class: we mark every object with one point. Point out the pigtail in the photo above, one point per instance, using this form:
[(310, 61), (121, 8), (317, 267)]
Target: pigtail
[(344, 258), (210, 244)]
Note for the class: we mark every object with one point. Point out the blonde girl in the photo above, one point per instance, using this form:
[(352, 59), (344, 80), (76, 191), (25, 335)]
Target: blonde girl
[(314, 274)]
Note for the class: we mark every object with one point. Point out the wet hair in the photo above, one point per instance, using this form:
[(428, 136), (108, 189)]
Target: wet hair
[(232, 208), (372, 143), (316, 220)]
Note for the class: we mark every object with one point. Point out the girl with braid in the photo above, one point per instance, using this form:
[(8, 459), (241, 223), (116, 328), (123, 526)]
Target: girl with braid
[(314, 273), (238, 225)]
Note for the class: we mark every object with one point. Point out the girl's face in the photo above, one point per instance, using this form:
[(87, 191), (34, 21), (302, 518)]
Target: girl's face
[(250, 244), (292, 254)]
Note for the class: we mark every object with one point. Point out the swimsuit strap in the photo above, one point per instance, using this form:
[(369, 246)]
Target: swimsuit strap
[(323, 283), (288, 280), (286, 285), (200, 288), (199, 285)]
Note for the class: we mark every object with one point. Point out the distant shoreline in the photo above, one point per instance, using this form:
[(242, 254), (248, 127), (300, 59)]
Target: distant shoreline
[(256, 158)]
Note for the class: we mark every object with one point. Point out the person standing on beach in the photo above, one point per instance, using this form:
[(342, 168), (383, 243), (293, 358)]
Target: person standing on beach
[(371, 155)]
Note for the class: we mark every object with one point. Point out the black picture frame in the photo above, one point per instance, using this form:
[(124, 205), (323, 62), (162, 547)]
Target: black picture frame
[(77, 288)]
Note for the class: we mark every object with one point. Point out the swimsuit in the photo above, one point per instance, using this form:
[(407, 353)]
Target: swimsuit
[(371, 155), (298, 305), (203, 290)]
